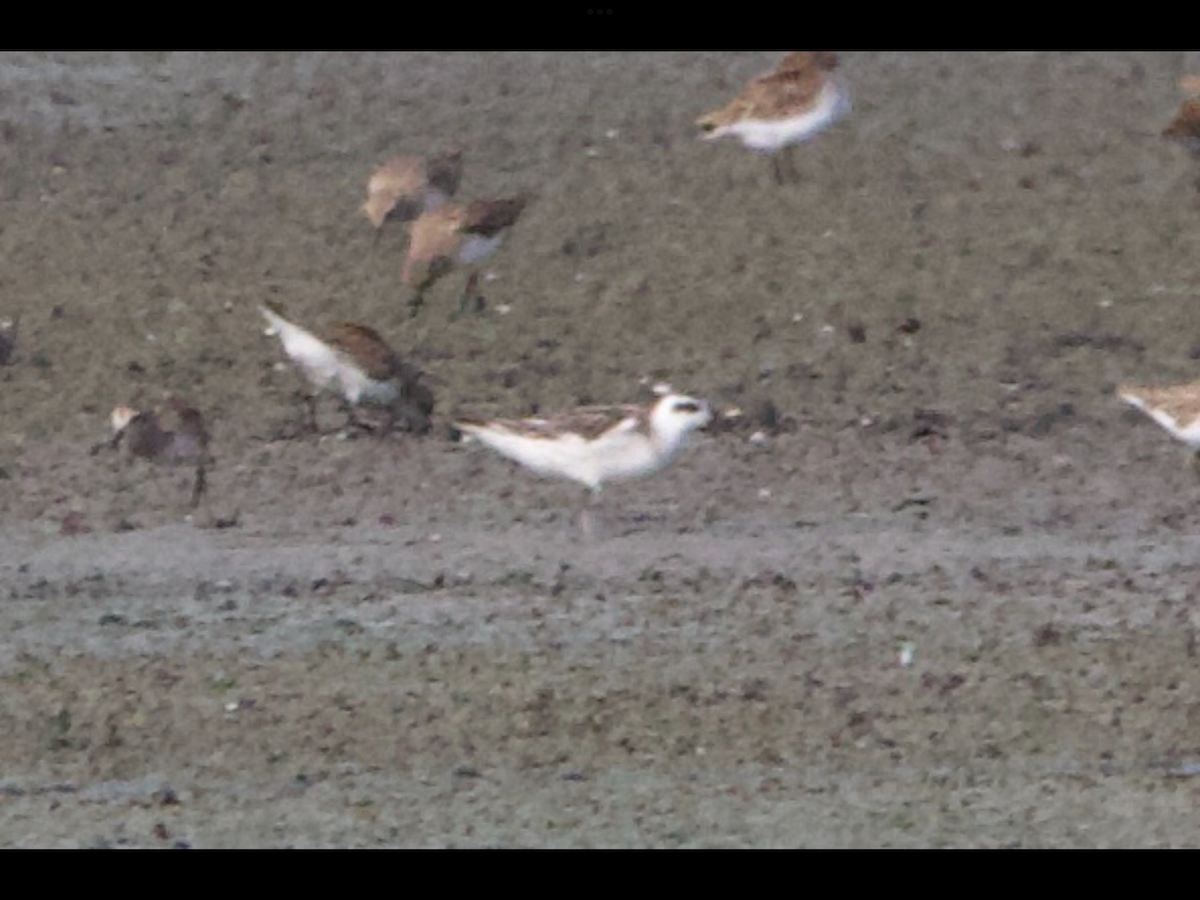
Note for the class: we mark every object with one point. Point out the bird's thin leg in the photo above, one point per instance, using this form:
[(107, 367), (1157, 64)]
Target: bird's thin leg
[(352, 419), (113, 443), (785, 166), (471, 297), (415, 303), (121, 471), (389, 423), (793, 172), (199, 483), (586, 523), (310, 401)]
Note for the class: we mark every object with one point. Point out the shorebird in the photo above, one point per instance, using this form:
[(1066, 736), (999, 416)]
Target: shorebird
[(405, 186), (183, 438), (1175, 407), (593, 445), (355, 363), (1185, 127), (779, 109), (457, 234), (8, 339)]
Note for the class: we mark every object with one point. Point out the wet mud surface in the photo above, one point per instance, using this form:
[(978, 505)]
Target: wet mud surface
[(936, 587)]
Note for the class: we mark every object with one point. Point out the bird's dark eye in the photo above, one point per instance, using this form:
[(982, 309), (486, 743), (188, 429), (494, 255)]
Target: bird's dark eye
[(687, 406)]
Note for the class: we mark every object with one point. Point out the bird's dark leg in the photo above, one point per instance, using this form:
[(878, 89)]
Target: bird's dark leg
[(415, 303), (113, 443), (471, 296), (199, 483), (407, 416), (352, 419), (310, 400), (785, 166)]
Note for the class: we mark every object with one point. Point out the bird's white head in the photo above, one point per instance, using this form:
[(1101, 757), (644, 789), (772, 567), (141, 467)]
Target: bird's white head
[(121, 417), (675, 416)]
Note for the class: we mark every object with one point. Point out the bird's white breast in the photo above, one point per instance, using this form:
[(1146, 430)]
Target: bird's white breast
[(318, 360)]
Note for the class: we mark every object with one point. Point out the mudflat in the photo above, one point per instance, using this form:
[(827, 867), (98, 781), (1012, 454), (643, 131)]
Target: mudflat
[(936, 586)]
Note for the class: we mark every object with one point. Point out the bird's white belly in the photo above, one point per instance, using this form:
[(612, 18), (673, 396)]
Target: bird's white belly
[(318, 362), (770, 135), (591, 463), (476, 249)]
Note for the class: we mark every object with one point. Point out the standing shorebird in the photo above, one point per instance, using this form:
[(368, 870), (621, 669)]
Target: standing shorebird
[(174, 436), (594, 445), (779, 109), (405, 186), (8, 339), (1185, 127), (458, 234), (1175, 407), (355, 363)]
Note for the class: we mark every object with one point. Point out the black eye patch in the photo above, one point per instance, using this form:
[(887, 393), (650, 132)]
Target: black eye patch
[(687, 406)]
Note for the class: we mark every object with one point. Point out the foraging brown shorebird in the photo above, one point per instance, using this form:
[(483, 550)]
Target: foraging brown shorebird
[(355, 363), (173, 436), (779, 109), (1185, 127), (405, 186), (593, 445), (1175, 407), (458, 234)]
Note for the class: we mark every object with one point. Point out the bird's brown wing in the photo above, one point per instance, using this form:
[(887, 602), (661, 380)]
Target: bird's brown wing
[(783, 93), (793, 86), (1186, 125), (145, 437), (367, 348), (588, 422), (807, 60), (489, 217)]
